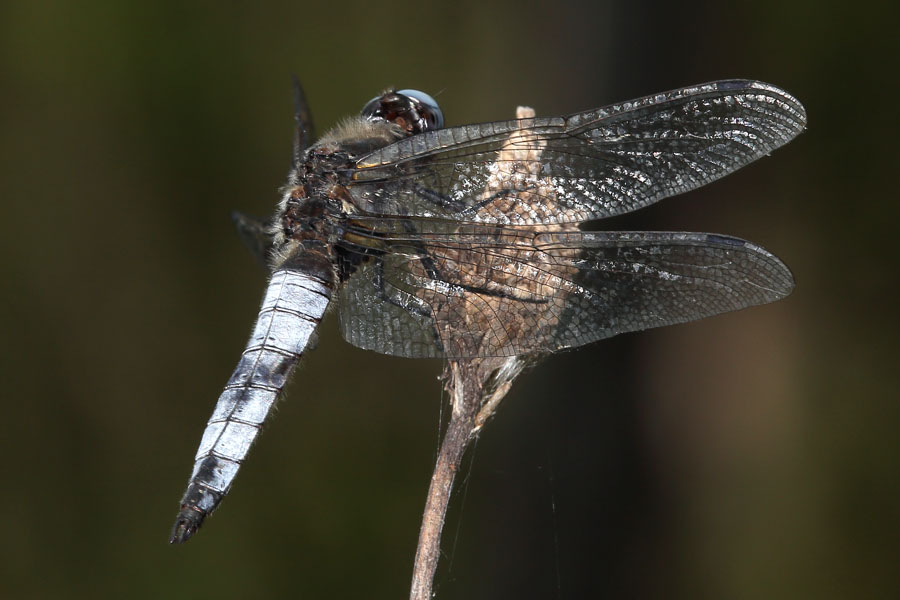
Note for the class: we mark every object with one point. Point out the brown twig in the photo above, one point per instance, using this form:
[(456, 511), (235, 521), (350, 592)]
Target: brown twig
[(476, 387), (458, 435)]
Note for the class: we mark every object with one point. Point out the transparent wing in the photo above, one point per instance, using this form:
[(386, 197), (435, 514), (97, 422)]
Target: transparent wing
[(592, 165), (501, 291), (256, 235)]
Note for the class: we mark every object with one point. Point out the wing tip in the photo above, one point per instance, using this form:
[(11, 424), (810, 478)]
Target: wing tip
[(795, 106), (780, 283)]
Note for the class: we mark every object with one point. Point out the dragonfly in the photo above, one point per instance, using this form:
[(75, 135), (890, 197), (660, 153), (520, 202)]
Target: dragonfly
[(468, 241)]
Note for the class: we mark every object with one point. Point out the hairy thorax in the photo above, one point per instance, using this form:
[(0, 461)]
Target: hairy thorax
[(316, 201)]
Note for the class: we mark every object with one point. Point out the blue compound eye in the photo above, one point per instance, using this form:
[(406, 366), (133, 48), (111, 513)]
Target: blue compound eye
[(427, 106), (411, 110)]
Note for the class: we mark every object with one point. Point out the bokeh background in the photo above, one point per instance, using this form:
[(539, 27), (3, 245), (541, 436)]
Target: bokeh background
[(753, 455)]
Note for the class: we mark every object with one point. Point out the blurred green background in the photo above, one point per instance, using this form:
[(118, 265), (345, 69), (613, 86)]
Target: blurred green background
[(754, 455)]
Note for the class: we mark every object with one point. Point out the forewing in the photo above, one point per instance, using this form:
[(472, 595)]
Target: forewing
[(489, 291), (593, 164)]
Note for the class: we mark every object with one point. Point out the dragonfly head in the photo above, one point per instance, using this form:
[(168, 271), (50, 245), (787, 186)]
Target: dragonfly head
[(411, 110)]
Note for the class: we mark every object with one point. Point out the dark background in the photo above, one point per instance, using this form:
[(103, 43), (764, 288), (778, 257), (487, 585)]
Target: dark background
[(753, 455)]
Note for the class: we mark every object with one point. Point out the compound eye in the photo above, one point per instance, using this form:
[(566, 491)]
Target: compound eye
[(388, 106), (411, 110), (427, 107), (372, 108)]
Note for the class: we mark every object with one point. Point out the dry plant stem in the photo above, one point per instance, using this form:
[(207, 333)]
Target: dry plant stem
[(476, 388), (460, 432)]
